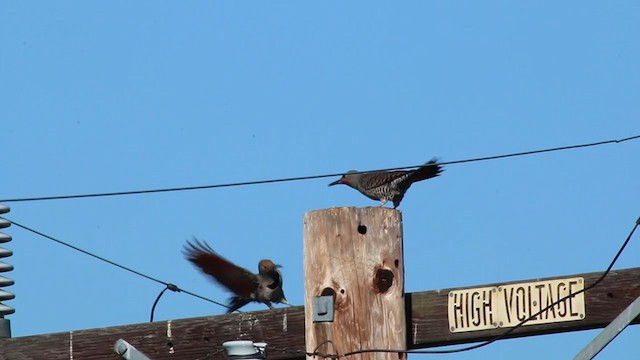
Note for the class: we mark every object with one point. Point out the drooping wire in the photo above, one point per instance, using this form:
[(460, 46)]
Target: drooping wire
[(171, 287), (168, 286), (311, 177), (326, 342), (507, 332)]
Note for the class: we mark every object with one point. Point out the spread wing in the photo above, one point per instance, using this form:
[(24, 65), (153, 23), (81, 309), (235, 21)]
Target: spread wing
[(238, 280)]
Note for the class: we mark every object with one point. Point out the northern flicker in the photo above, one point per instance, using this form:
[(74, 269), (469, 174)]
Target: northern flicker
[(264, 287), (388, 185)]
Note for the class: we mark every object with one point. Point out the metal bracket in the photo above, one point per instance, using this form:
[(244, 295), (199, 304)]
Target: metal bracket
[(323, 309)]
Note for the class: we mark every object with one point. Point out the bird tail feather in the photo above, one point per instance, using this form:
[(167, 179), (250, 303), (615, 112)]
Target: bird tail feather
[(427, 171), (236, 302)]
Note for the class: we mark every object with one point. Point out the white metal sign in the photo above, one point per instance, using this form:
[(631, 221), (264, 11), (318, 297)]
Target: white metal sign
[(507, 305)]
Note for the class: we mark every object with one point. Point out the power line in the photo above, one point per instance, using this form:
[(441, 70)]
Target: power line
[(532, 152), (311, 177), (155, 303), (168, 286)]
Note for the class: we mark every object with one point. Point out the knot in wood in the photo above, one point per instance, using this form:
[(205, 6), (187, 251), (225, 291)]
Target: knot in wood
[(383, 280)]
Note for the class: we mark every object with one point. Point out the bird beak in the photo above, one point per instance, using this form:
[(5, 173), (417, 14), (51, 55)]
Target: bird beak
[(339, 181), (278, 266)]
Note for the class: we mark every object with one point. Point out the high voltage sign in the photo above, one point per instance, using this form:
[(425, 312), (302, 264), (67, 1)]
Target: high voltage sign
[(507, 305)]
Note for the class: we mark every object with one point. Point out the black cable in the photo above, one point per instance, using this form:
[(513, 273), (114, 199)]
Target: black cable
[(506, 333), (311, 177), (542, 151), (329, 342), (166, 284), (206, 299), (301, 352), (168, 287)]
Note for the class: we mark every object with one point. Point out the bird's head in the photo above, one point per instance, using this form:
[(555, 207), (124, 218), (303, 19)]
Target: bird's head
[(348, 179), (265, 266)]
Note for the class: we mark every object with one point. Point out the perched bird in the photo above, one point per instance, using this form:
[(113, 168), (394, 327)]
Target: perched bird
[(264, 287), (388, 185)]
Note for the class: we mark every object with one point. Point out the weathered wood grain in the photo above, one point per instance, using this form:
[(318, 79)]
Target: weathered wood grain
[(355, 254), (195, 338)]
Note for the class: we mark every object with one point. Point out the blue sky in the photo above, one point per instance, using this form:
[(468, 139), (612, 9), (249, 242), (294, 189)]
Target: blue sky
[(117, 96)]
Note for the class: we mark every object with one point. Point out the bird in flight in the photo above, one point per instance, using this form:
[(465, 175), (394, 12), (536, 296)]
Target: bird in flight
[(264, 287)]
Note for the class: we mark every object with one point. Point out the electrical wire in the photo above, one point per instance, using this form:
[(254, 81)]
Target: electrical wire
[(306, 353), (326, 342), (171, 287), (311, 177), (168, 286)]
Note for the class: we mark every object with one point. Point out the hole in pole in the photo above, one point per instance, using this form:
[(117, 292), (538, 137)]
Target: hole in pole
[(328, 292), (383, 280), (362, 229)]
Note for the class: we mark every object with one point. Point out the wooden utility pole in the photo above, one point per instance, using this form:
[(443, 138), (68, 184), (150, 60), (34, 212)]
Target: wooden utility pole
[(355, 256)]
